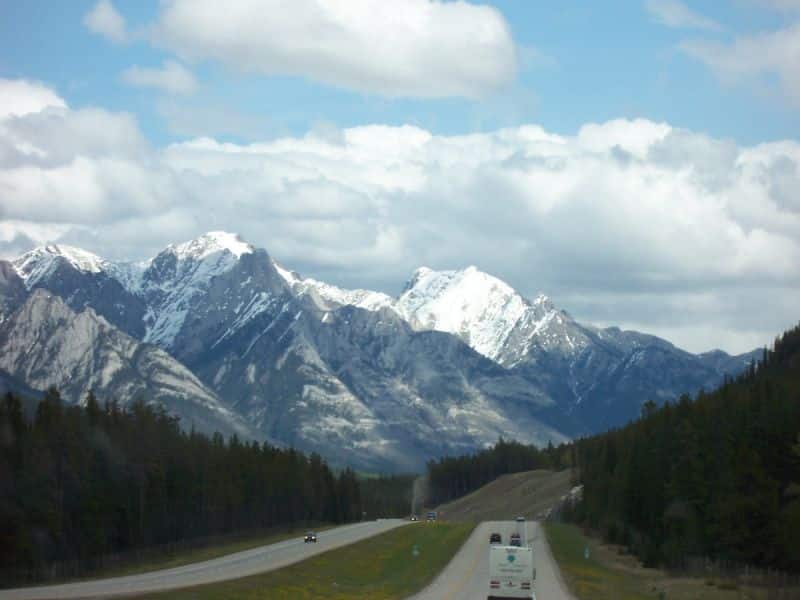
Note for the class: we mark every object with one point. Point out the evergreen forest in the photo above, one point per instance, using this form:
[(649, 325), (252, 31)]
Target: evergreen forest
[(717, 476), (81, 483)]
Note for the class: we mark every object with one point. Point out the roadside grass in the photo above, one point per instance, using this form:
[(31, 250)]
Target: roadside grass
[(382, 567), (588, 578), (609, 574)]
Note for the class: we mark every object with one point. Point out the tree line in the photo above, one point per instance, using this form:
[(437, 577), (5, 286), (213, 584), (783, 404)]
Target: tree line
[(455, 476), (78, 483), (714, 476)]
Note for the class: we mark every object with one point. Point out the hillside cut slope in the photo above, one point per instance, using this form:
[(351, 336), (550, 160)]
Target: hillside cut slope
[(526, 494)]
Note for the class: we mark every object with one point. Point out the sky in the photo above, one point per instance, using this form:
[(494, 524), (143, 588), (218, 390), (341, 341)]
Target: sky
[(636, 161)]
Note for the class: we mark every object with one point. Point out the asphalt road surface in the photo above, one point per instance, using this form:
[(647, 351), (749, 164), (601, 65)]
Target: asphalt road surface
[(232, 566), (467, 575)]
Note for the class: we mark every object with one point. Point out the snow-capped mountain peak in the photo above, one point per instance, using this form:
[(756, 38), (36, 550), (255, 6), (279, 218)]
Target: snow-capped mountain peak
[(484, 311), (211, 243), (39, 262), (417, 275), (543, 303), (182, 273), (479, 308)]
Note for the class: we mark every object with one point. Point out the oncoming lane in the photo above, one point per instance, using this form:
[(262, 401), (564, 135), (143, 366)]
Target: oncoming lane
[(232, 566)]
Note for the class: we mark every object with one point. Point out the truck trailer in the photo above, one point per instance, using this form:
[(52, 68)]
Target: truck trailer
[(511, 572)]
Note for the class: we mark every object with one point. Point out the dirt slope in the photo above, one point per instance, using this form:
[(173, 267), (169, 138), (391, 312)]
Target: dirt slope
[(527, 494)]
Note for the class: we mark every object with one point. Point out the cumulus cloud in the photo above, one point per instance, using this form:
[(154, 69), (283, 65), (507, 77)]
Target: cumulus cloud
[(419, 48), (172, 78), (625, 222), (673, 13), (755, 58), (104, 20), (22, 97)]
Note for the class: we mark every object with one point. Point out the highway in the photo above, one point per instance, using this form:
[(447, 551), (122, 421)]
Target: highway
[(232, 566), (467, 575)]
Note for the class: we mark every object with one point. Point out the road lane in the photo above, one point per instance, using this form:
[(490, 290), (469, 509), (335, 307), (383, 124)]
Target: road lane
[(232, 566), (467, 575)]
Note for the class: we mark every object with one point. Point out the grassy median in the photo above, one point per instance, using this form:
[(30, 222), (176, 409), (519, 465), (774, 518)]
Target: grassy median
[(383, 567)]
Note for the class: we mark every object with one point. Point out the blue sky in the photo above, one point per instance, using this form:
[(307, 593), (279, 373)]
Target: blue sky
[(581, 62), (637, 161)]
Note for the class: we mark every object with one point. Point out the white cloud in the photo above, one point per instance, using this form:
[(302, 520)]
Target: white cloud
[(628, 222), (419, 48), (20, 97), (674, 13), (172, 78), (755, 58), (104, 20)]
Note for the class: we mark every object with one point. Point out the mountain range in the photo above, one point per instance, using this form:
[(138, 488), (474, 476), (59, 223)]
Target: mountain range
[(228, 339)]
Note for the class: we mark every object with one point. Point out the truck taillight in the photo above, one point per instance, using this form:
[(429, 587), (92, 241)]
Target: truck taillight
[(494, 584)]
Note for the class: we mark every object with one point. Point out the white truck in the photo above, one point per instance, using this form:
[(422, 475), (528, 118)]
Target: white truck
[(511, 572)]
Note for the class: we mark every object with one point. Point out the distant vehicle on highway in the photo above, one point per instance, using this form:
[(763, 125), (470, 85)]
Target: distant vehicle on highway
[(310, 537), (495, 539), (515, 540), (431, 516), (414, 518), (520, 519), (511, 573)]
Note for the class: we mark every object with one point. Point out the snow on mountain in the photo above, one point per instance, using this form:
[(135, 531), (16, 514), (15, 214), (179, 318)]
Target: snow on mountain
[(129, 274), (332, 296), (180, 274), (480, 309), (212, 242), (487, 313), (40, 262), (332, 369), (153, 299)]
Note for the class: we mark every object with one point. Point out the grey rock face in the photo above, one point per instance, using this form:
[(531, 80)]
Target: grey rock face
[(363, 388), (456, 361), (45, 343), (603, 379), (193, 304), (99, 289), (598, 378), (12, 289)]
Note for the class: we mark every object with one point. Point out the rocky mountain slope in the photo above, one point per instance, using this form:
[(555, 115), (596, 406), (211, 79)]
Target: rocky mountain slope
[(598, 377), (12, 289), (44, 343), (458, 359), (363, 387)]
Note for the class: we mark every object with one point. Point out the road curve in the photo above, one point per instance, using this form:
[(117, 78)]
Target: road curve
[(232, 566), (467, 575)]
